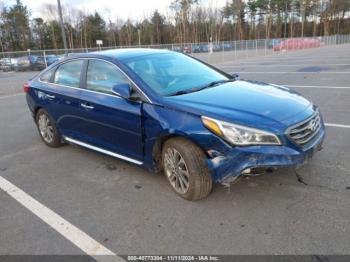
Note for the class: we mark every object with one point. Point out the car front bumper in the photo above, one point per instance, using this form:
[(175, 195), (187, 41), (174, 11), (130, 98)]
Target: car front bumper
[(226, 168)]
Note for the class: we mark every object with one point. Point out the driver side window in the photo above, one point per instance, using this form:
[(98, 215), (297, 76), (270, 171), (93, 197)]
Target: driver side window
[(102, 76)]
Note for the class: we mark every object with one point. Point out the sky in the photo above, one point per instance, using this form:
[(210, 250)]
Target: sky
[(112, 9)]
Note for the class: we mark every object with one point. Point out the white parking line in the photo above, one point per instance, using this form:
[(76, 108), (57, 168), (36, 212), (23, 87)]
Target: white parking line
[(291, 72), (276, 56), (337, 125), (281, 65), (62, 226), (330, 87), (281, 61)]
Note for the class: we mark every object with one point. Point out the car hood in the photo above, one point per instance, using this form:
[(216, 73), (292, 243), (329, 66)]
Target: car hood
[(246, 102)]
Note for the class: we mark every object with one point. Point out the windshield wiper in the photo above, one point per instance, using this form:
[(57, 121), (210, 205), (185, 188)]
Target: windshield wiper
[(182, 92), (211, 84), (215, 83)]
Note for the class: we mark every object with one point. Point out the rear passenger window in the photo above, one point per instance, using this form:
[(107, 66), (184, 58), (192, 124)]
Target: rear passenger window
[(68, 74), (102, 76), (46, 77)]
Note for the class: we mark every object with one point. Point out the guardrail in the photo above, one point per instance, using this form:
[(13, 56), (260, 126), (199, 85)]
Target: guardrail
[(211, 52)]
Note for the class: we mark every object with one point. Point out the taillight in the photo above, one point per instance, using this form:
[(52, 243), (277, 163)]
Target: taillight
[(26, 88)]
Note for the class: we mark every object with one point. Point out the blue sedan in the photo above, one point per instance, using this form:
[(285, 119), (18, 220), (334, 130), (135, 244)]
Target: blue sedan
[(171, 113)]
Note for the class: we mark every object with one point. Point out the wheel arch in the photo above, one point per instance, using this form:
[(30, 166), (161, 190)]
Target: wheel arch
[(36, 110), (159, 143)]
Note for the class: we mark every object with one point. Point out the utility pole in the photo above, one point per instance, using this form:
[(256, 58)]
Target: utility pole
[(285, 21), (303, 7), (139, 34), (62, 27), (2, 47)]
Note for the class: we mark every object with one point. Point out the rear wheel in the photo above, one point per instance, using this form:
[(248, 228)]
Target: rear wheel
[(47, 129), (185, 166)]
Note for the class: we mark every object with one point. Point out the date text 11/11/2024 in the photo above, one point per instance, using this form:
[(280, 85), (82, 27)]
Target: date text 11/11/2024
[(173, 258)]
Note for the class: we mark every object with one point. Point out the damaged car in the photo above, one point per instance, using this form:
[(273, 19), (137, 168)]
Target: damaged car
[(172, 113)]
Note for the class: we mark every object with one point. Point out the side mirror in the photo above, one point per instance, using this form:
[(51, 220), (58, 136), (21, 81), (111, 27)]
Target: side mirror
[(123, 90), (235, 76)]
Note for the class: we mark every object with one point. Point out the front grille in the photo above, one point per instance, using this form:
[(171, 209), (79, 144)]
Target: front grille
[(303, 132)]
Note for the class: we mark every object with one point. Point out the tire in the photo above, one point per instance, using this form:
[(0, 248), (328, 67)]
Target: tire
[(194, 163), (48, 134)]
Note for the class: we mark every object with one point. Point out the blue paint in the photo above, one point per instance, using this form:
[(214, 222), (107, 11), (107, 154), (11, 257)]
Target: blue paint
[(136, 129)]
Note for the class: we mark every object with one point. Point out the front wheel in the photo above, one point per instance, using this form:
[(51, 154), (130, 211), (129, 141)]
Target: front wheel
[(185, 166), (47, 129)]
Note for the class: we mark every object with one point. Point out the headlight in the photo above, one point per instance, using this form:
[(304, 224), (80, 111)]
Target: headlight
[(240, 135)]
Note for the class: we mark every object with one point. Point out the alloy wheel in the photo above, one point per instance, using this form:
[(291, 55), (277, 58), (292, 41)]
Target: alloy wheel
[(176, 170), (46, 128)]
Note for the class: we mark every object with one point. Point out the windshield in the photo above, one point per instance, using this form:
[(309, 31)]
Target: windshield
[(171, 73)]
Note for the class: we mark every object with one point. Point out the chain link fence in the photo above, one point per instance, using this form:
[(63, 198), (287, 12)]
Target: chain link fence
[(210, 52)]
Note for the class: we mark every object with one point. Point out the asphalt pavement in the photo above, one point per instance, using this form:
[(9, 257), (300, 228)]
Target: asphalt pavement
[(129, 210)]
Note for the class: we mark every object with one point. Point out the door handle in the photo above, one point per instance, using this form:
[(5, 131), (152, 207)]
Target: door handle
[(87, 106), (50, 96)]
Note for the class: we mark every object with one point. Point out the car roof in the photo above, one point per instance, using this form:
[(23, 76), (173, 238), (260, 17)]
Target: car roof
[(118, 54), (126, 53)]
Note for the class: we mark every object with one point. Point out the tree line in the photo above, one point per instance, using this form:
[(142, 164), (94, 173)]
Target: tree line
[(186, 21)]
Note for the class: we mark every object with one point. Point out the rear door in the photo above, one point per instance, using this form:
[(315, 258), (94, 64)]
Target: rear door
[(59, 94), (108, 121)]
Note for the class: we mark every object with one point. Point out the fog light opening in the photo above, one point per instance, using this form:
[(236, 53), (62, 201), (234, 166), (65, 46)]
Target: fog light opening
[(256, 171)]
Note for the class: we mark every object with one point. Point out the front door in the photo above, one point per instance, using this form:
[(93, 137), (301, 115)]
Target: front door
[(107, 121)]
